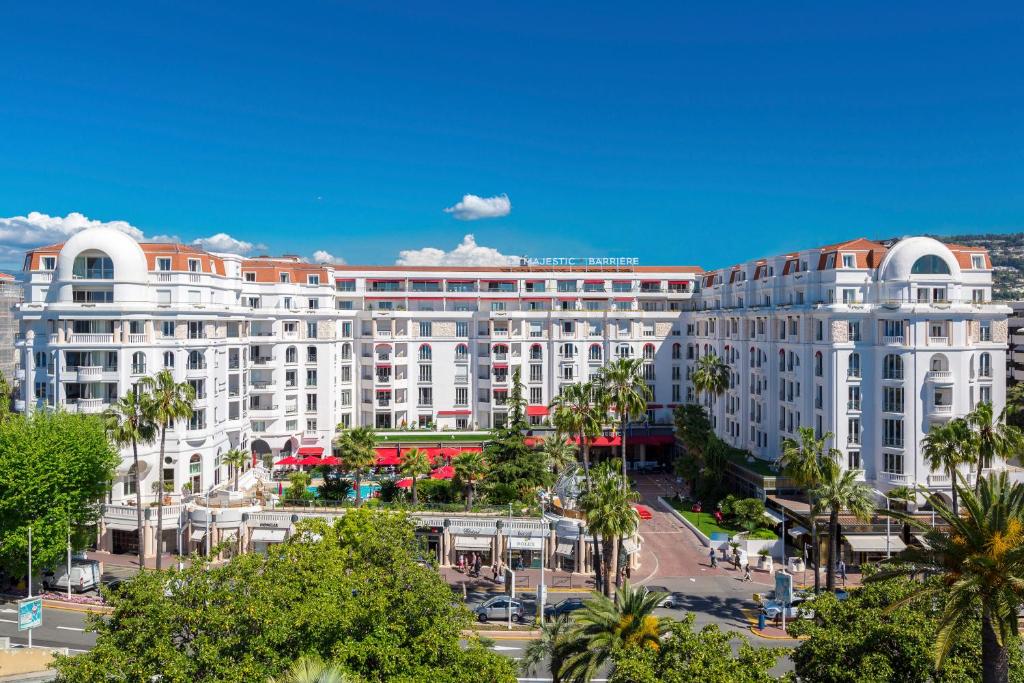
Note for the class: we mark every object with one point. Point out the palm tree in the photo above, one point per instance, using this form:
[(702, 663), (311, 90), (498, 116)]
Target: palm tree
[(128, 423), (622, 382), (574, 411), (470, 468), (980, 560), (604, 626), (236, 459), (611, 515), (415, 463), (804, 462), (358, 448), (995, 438), (947, 447), (839, 490), (312, 670), (555, 637), (711, 376), (559, 453), (169, 401)]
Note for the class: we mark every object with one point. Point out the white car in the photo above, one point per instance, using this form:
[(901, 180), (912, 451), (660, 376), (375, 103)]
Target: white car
[(773, 608)]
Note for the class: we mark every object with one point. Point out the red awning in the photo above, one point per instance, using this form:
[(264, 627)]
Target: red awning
[(446, 472), (309, 461), (387, 456), (600, 441), (381, 364), (627, 298), (290, 460), (383, 391), (448, 413), (498, 366), (310, 450), (536, 411), (593, 282), (653, 440)]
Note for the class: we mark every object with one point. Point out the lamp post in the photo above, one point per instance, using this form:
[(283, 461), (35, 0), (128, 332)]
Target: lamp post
[(541, 591), (69, 552)]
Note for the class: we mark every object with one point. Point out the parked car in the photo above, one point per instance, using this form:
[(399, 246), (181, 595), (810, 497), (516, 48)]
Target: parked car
[(85, 575), (498, 608), (773, 608), (566, 606), (673, 601)]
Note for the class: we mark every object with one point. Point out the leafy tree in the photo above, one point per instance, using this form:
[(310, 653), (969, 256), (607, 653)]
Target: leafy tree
[(995, 438), (839, 490), (167, 402), (5, 397), (746, 513), (470, 469), (511, 461), (559, 453), (947, 447), (980, 562), (804, 461), (710, 376), (415, 463), (605, 626), (351, 594), (298, 486), (877, 636), (358, 448), (129, 422), (610, 515), (692, 426), (54, 470), (686, 656), (622, 383), (335, 488), (575, 411), (236, 459), (312, 670)]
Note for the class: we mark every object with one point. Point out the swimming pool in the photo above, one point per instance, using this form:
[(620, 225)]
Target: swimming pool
[(368, 490)]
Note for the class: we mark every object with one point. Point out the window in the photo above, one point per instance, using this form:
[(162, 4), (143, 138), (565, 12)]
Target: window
[(167, 329), (249, 276), (290, 380), (138, 363), (284, 278), (310, 354), (892, 399), (196, 329), (677, 351), (461, 352), (461, 396), (648, 351), (346, 373), (198, 387), (198, 420), (853, 460), (426, 329), (163, 264), (930, 265), (977, 261), (853, 430), (595, 352), (849, 261), (312, 304), (892, 367), (49, 262), (536, 373), (892, 463), (196, 361), (163, 297), (168, 359), (426, 373), (194, 265), (313, 280), (310, 378), (426, 396), (425, 353), (310, 403), (818, 369), (536, 396), (567, 372), (985, 331), (854, 330), (93, 268), (568, 350), (852, 397), (985, 365), (311, 329), (892, 432), (462, 329), (346, 351)]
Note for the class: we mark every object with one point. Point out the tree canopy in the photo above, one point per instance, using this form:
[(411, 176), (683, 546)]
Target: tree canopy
[(352, 594), (54, 468)]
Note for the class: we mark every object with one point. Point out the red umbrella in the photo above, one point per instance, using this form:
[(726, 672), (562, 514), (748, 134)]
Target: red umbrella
[(446, 472), (404, 483), (331, 460), (290, 460), (309, 460)]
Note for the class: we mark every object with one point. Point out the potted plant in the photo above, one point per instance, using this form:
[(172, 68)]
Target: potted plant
[(764, 559), (798, 561)]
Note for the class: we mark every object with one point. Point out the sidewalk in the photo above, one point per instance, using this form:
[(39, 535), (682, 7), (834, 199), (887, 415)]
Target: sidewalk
[(527, 580)]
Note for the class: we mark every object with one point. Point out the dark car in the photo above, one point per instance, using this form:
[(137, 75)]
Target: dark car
[(566, 606)]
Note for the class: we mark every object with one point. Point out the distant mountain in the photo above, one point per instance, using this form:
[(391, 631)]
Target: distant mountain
[(1007, 252)]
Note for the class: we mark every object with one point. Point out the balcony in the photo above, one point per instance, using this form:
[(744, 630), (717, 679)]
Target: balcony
[(90, 405), (938, 341), (137, 338), (852, 405), (896, 340), (939, 376), (89, 373), (259, 410), (938, 480), (896, 478), (941, 411), (91, 338)]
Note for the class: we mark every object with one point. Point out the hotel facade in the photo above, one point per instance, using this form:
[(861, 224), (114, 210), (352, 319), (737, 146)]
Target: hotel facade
[(871, 342)]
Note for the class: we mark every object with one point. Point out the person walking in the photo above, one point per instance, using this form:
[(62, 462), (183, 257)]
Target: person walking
[(713, 558), (746, 574), (842, 571), (477, 566)]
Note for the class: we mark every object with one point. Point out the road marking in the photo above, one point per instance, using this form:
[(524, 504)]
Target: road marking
[(505, 648), (8, 611), (71, 628), (9, 621)]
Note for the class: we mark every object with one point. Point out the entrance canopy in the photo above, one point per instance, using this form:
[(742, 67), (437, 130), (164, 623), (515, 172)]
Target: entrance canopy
[(268, 535), (875, 543), (472, 542)]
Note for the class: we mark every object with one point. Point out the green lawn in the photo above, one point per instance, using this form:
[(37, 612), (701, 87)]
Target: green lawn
[(762, 467), (706, 522), (438, 437)]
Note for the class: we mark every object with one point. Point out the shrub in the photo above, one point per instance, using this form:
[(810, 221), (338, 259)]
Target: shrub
[(335, 488)]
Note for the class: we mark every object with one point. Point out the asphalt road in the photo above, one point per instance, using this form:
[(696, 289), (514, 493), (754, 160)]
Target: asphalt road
[(60, 628)]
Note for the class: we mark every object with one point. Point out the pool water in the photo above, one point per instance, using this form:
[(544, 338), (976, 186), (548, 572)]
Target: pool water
[(367, 490)]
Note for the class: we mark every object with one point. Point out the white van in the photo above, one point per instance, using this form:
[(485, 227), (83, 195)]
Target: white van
[(85, 575)]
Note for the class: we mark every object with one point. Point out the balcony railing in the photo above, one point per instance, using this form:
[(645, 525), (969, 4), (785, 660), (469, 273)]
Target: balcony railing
[(939, 375), (895, 339), (939, 341), (137, 338), (89, 372), (92, 338), (896, 478), (90, 405)]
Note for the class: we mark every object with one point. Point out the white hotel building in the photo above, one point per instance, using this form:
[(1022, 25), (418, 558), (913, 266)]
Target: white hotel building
[(871, 343)]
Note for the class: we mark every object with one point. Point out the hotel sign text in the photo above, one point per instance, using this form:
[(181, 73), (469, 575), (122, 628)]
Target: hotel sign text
[(581, 261)]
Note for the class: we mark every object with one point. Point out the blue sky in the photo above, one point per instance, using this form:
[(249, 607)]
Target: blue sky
[(673, 132)]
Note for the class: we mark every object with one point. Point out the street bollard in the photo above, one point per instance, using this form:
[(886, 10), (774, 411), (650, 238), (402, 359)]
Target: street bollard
[(760, 620)]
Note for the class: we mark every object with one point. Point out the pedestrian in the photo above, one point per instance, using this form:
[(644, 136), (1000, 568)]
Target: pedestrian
[(476, 567), (713, 558), (746, 573), (494, 572), (461, 564), (842, 570)]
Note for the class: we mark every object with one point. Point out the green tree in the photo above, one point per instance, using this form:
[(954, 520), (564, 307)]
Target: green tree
[(129, 422), (55, 469), (981, 564), (692, 427), (167, 403), (881, 635), (312, 670), (839, 490), (575, 411), (804, 461), (610, 515), (298, 486), (622, 383), (947, 447), (415, 463), (5, 397), (470, 469), (236, 459), (559, 453), (605, 626), (516, 403), (352, 594), (358, 447), (688, 656), (554, 638), (995, 438), (710, 376)]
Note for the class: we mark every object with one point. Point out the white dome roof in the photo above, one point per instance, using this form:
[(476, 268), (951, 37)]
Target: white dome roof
[(126, 254), (902, 256)]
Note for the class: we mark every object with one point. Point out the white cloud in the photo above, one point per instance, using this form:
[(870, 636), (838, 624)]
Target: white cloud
[(323, 256), (468, 253), (21, 233), (225, 243), (473, 207)]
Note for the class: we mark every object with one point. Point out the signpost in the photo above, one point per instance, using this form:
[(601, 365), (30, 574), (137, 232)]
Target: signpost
[(784, 592), (510, 588), (30, 615)]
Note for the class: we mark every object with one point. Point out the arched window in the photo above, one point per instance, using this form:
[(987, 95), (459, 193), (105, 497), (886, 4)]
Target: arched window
[(595, 352), (425, 352), (892, 367), (291, 355), (677, 351), (129, 482), (196, 360), (853, 365), (985, 365), (93, 265), (195, 472), (939, 363), (648, 351), (346, 351), (536, 352), (568, 350), (930, 265), (782, 360), (168, 359), (461, 352), (138, 363)]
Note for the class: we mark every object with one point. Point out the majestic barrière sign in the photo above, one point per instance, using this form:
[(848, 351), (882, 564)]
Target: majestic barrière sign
[(581, 261)]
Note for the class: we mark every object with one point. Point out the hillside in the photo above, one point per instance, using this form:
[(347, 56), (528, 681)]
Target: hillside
[(1007, 251)]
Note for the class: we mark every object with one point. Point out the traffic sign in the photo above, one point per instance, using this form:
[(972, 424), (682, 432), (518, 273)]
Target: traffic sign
[(784, 587), (30, 613)]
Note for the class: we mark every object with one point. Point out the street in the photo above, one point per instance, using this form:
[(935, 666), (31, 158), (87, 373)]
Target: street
[(61, 628)]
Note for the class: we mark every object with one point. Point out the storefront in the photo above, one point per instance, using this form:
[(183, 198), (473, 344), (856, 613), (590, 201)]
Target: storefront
[(261, 538), (124, 542), (862, 549), (431, 539), (525, 552), (565, 554), (466, 547)]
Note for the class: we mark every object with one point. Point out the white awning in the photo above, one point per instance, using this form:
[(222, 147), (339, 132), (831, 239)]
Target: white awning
[(772, 515), (796, 531), (920, 538), (566, 549), (198, 534), (518, 543), (268, 535), (875, 543), (629, 546), (472, 542)]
